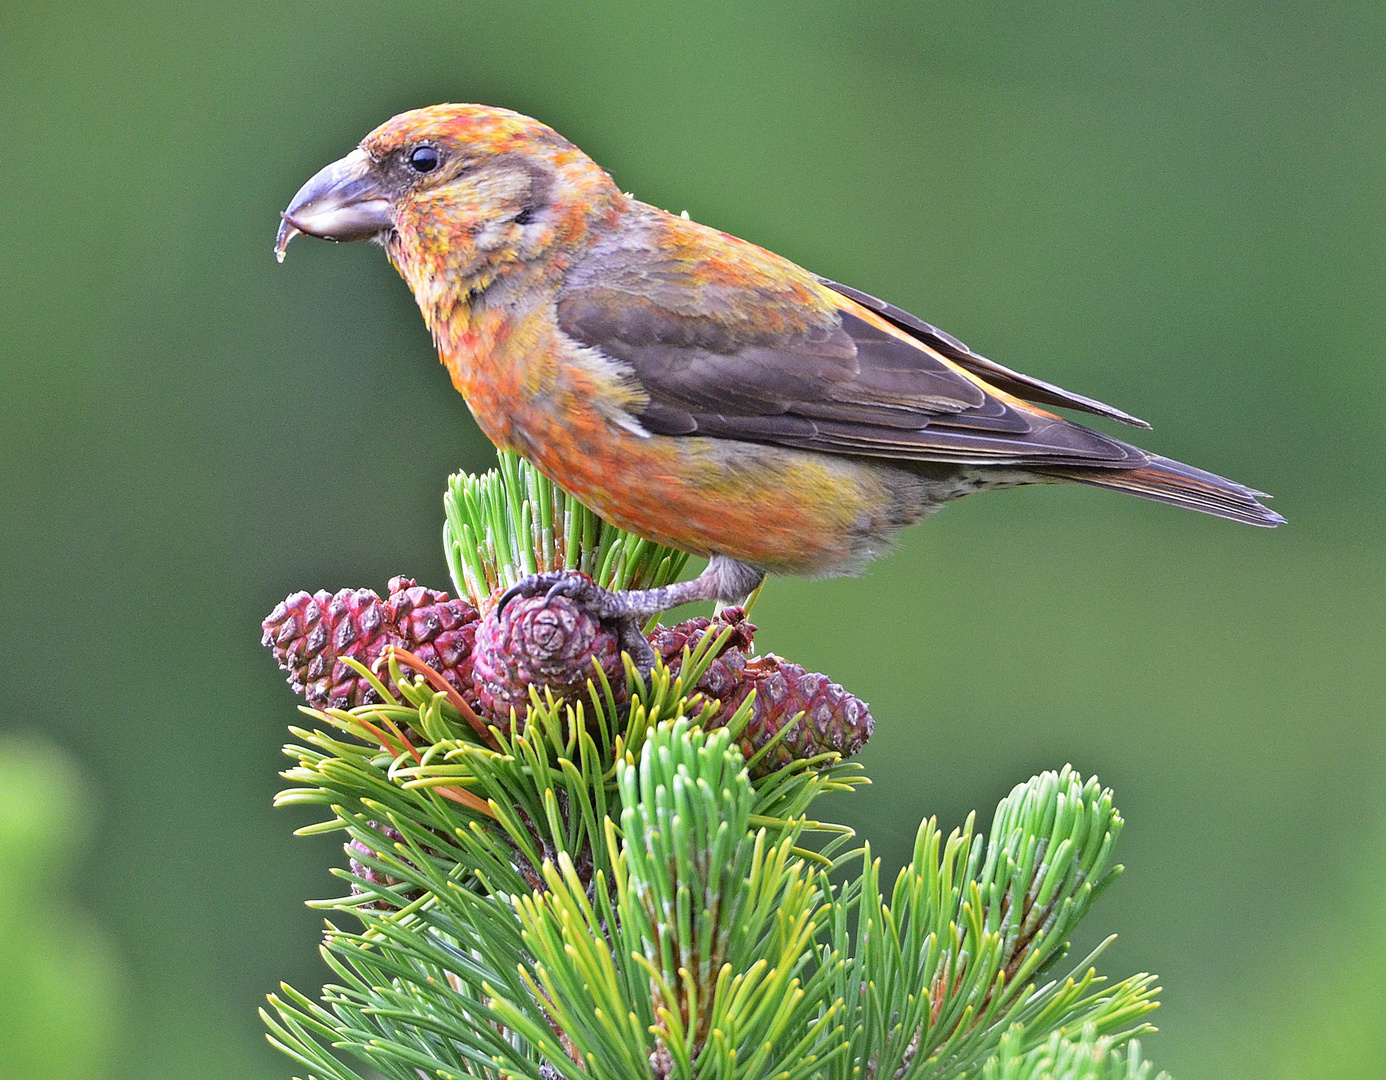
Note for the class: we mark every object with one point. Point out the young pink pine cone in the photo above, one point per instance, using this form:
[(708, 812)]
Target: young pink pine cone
[(833, 718), (548, 644), (724, 673), (439, 631), (311, 636)]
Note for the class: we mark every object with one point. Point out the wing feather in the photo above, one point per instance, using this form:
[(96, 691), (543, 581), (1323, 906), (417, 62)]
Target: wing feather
[(1025, 387), (762, 351)]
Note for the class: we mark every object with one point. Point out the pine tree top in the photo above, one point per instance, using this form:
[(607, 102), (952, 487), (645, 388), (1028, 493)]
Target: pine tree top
[(609, 891)]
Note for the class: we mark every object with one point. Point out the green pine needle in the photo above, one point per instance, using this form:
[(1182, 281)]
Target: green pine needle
[(514, 521), (1089, 1057), (608, 895)]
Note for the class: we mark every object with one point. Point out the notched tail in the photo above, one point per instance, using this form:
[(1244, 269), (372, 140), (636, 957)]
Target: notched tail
[(1168, 481)]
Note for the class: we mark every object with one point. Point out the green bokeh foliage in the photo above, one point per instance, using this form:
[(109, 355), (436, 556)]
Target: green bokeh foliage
[(1174, 206), (58, 971)]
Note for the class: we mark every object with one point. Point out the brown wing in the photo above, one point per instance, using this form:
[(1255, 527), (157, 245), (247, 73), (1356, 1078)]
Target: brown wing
[(732, 342), (1023, 386)]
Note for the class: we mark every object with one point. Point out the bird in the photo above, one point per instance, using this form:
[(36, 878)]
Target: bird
[(690, 386)]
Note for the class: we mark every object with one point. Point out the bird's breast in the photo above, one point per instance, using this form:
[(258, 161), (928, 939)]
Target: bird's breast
[(525, 383), (572, 412)]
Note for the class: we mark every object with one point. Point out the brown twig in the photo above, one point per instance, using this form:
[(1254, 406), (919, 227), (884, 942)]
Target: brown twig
[(380, 737), (458, 702), (456, 794)]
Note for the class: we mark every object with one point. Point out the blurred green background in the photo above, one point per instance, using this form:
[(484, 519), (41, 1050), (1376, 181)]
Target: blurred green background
[(1176, 207)]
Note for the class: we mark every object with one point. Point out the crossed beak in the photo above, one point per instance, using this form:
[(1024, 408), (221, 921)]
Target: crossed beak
[(343, 201)]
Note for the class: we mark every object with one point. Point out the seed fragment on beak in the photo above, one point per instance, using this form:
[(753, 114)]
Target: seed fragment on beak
[(342, 202), (287, 231)]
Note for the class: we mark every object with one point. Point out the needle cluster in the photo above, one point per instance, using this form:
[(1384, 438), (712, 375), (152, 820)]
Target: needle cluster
[(615, 889)]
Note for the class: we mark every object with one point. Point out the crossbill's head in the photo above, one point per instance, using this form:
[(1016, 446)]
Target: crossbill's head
[(455, 192)]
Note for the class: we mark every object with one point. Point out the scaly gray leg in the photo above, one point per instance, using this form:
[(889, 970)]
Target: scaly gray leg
[(724, 579)]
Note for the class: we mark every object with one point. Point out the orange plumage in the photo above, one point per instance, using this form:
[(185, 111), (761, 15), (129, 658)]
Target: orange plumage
[(690, 386)]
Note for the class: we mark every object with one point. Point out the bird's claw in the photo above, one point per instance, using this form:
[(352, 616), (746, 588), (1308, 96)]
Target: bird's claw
[(551, 583), (620, 608), (602, 603)]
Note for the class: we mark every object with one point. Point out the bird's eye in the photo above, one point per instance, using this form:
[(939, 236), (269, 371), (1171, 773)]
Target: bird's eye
[(424, 159)]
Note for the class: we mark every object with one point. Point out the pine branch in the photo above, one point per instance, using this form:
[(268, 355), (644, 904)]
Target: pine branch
[(947, 965), (607, 979), (1059, 1058), (514, 521), (703, 948), (603, 890)]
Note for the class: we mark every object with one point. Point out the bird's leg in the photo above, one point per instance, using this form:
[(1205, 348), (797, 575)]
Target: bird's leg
[(724, 579)]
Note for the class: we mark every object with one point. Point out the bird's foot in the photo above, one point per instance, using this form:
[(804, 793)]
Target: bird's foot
[(626, 611), (604, 604), (630, 609)]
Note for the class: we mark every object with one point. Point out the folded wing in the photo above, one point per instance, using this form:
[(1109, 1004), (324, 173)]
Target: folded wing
[(1023, 386), (729, 341)]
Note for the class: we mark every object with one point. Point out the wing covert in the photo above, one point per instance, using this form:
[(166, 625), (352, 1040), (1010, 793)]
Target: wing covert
[(729, 341), (1025, 387)]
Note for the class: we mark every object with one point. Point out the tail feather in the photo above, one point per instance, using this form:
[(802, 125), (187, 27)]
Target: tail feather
[(1168, 481)]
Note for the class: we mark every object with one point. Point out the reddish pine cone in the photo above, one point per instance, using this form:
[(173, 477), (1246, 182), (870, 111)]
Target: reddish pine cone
[(833, 719), (725, 672), (439, 631), (547, 644), (310, 636)]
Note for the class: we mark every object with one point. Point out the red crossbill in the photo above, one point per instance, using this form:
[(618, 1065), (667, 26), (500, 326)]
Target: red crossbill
[(689, 386)]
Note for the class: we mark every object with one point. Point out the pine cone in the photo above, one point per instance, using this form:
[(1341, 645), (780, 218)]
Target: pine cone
[(545, 643), (439, 631), (724, 673), (311, 635), (833, 719)]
